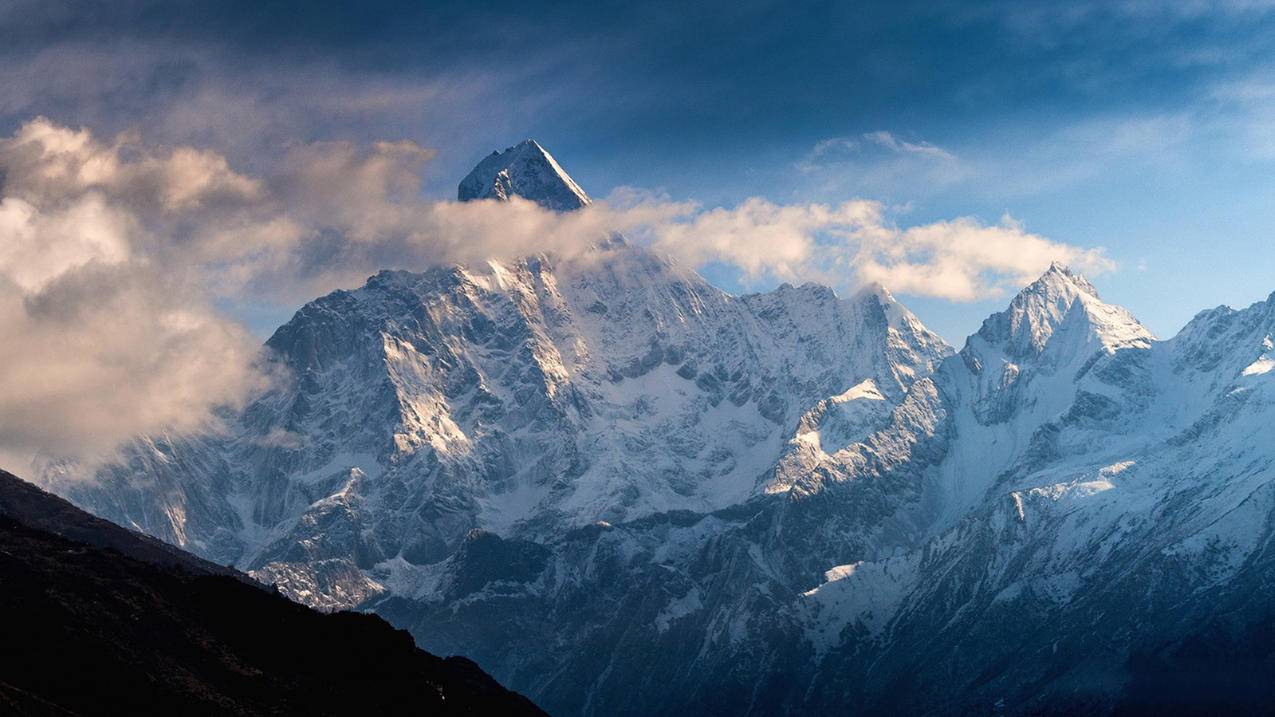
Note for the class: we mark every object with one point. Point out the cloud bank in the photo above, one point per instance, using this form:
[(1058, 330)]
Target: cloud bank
[(114, 254)]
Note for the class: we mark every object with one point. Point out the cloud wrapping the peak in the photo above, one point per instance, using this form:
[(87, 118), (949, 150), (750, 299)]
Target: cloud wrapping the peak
[(855, 242), (965, 260), (114, 254)]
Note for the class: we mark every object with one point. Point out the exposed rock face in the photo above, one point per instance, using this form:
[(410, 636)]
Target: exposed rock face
[(623, 491), (523, 170)]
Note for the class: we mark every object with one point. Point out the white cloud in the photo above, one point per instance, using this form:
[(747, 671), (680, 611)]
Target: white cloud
[(113, 253), (879, 164), (766, 239), (854, 243), (894, 144), (104, 353), (106, 332), (965, 260), (44, 161), (39, 246), (833, 150), (833, 145)]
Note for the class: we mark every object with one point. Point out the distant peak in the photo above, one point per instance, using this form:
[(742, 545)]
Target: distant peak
[(1037, 312), (1059, 278), (524, 170)]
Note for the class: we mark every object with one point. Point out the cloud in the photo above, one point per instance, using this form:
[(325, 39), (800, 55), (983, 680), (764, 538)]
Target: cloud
[(40, 246), (965, 260), (1051, 24), (924, 149), (115, 252), (1084, 152), (764, 239), (833, 145), (854, 243), (106, 333), (834, 150), (880, 164), (105, 353), (1039, 160), (46, 162)]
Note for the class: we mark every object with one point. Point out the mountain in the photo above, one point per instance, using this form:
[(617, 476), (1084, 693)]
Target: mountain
[(519, 398), (1124, 502), (623, 491), (524, 170), (101, 620)]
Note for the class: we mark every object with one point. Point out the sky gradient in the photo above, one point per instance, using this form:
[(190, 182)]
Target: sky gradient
[(1144, 128)]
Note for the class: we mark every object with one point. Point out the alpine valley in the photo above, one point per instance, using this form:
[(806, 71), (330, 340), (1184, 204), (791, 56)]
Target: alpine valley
[(622, 491)]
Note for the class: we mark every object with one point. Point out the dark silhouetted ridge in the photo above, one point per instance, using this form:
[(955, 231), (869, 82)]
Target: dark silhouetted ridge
[(96, 619)]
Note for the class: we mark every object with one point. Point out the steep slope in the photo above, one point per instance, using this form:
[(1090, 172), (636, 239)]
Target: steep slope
[(734, 593), (25, 504), (97, 620)]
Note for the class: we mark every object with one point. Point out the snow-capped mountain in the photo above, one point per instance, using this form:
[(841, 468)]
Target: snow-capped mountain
[(624, 491), (1123, 510), (522, 398), (524, 170)]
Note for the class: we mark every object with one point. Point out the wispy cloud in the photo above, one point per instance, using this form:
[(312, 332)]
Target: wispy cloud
[(878, 163), (1027, 164), (881, 138), (835, 150), (834, 145)]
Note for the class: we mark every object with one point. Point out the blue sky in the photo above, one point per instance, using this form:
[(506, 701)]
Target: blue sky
[(1146, 128)]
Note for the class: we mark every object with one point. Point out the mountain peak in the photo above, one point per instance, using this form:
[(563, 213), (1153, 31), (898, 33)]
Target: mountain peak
[(876, 292), (1059, 278), (875, 288), (1042, 307), (525, 170)]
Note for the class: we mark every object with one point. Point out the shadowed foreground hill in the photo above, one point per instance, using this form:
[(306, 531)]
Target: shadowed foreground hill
[(96, 619)]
